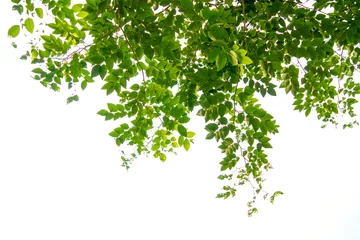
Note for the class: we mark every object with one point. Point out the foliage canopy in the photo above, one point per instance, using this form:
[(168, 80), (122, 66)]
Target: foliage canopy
[(164, 59)]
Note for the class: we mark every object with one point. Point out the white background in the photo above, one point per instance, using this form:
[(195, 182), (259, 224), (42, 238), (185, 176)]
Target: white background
[(60, 173)]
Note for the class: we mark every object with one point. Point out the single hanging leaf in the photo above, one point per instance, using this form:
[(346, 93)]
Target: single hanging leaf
[(39, 12), (102, 71), (187, 144), (29, 25), (272, 92), (190, 134), (14, 31), (95, 71)]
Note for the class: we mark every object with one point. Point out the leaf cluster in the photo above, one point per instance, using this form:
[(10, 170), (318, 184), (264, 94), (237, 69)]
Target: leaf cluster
[(165, 59)]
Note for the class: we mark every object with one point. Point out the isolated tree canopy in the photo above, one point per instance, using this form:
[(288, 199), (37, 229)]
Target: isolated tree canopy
[(164, 59)]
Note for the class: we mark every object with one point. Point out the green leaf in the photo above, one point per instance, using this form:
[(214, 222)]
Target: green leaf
[(350, 36), (277, 193), (266, 145), (39, 12), (155, 147), (82, 14), (102, 71), (135, 87), (186, 3), (103, 112), (29, 25), (224, 132), (246, 60), (211, 127), (37, 70), (14, 31), (221, 61), (276, 65), (241, 117), (72, 99), (182, 130), (181, 140), (112, 107), (95, 71), (77, 7), (271, 91), (210, 135), (190, 134), (242, 52), (233, 58), (83, 84), (206, 12), (214, 52), (184, 119), (114, 134), (149, 52), (187, 144), (162, 157), (222, 110)]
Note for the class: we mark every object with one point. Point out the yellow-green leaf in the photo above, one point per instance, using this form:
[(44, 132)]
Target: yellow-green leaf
[(221, 61), (39, 12), (190, 134), (242, 52), (77, 7), (246, 60), (29, 25), (14, 31), (82, 14), (187, 144), (233, 58), (241, 70)]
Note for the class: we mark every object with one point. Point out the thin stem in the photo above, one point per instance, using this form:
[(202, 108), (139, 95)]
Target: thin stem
[(234, 101), (243, 10), (339, 79), (303, 6), (163, 10), (131, 48), (301, 65)]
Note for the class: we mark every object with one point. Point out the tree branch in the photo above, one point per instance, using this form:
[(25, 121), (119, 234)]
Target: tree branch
[(131, 48)]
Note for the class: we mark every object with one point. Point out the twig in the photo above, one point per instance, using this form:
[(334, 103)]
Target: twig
[(234, 101), (243, 10), (244, 16), (301, 65), (131, 48), (339, 79), (163, 10), (83, 48), (303, 6)]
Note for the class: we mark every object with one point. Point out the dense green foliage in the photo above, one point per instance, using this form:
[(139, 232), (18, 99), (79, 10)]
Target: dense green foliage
[(167, 58)]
